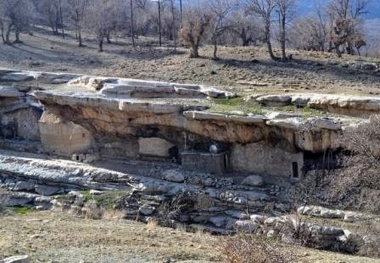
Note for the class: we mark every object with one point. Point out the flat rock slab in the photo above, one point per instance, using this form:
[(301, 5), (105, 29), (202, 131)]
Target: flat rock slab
[(17, 77), (10, 92), (16, 259), (275, 100)]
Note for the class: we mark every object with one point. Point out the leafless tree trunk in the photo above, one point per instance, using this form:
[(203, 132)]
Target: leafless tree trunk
[(174, 24), (2, 30), (285, 12), (264, 9), (193, 29), (78, 10), (8, 34), (219, 24)]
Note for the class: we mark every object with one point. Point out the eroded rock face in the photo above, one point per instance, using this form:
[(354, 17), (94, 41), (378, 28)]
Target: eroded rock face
[(112, 117), (63, 137), (154, 146)]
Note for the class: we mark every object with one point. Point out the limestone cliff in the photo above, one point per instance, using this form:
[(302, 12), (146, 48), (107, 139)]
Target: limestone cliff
[(124, 118)]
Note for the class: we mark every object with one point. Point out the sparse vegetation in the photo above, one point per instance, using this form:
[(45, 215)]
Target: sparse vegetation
[(236, 104), (22, 210), (244, 248), (3, 199), (247, 107)]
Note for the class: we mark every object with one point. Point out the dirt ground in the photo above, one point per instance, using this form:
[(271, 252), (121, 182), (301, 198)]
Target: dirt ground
[(58, 237), (245, 69)]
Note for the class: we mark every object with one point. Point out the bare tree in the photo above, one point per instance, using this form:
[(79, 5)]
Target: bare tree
[(345, 23), (50, 12), (245, 27), (219, 23), (195, 23), (264, 9), (359, 43), (285, 11), (308, 33), (15, 15), (78, 10), (103, 17)]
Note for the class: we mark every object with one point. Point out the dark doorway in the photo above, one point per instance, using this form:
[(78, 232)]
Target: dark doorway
[(295, 170)]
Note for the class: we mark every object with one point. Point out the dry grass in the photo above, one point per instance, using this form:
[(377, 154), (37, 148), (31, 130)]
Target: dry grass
[(3, 199), (59, 237), (46, 52), (245, 248)]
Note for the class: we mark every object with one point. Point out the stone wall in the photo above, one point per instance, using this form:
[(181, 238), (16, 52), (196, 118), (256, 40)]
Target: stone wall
[(21, 124), (262, 159)]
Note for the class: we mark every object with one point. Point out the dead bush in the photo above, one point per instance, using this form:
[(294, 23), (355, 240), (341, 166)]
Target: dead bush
[(193, 30), (370, 231), (92, 210), (244, 248), (3, 200), (355, 184), (171, 209)]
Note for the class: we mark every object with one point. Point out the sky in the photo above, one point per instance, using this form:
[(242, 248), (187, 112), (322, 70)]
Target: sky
[(307, 6)]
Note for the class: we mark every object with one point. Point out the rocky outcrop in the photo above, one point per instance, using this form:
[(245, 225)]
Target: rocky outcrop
[(340, 104), (135, 119)]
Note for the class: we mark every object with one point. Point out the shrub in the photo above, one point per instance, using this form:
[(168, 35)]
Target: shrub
[(244, 248), (3, 200)]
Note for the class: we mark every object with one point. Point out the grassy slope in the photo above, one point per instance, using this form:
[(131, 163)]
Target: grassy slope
[(47, 236)]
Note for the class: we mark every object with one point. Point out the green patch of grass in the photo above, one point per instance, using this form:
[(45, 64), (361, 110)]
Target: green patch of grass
[(236, 104), (305, 112), (239, 104), (22, 210), (107, 199)]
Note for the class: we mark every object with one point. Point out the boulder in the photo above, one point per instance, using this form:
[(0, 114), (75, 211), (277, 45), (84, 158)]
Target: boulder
[(258, 218), (355, 217), (283, 115), (325, 123), (93, 83), (10, 92), (237, 214), (188, 92), (16, 259), (17, 77), (319, 211), (147, 210), (20, 199), (247, 226), (275, 100), (300, 100), (369, 66), (173, 176), (215, 93), (46, 190), (289, 123), (218, 221), (23, 186), (253, 180)]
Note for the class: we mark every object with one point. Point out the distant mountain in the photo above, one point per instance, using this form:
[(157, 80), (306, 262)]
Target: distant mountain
[(307, 6)]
